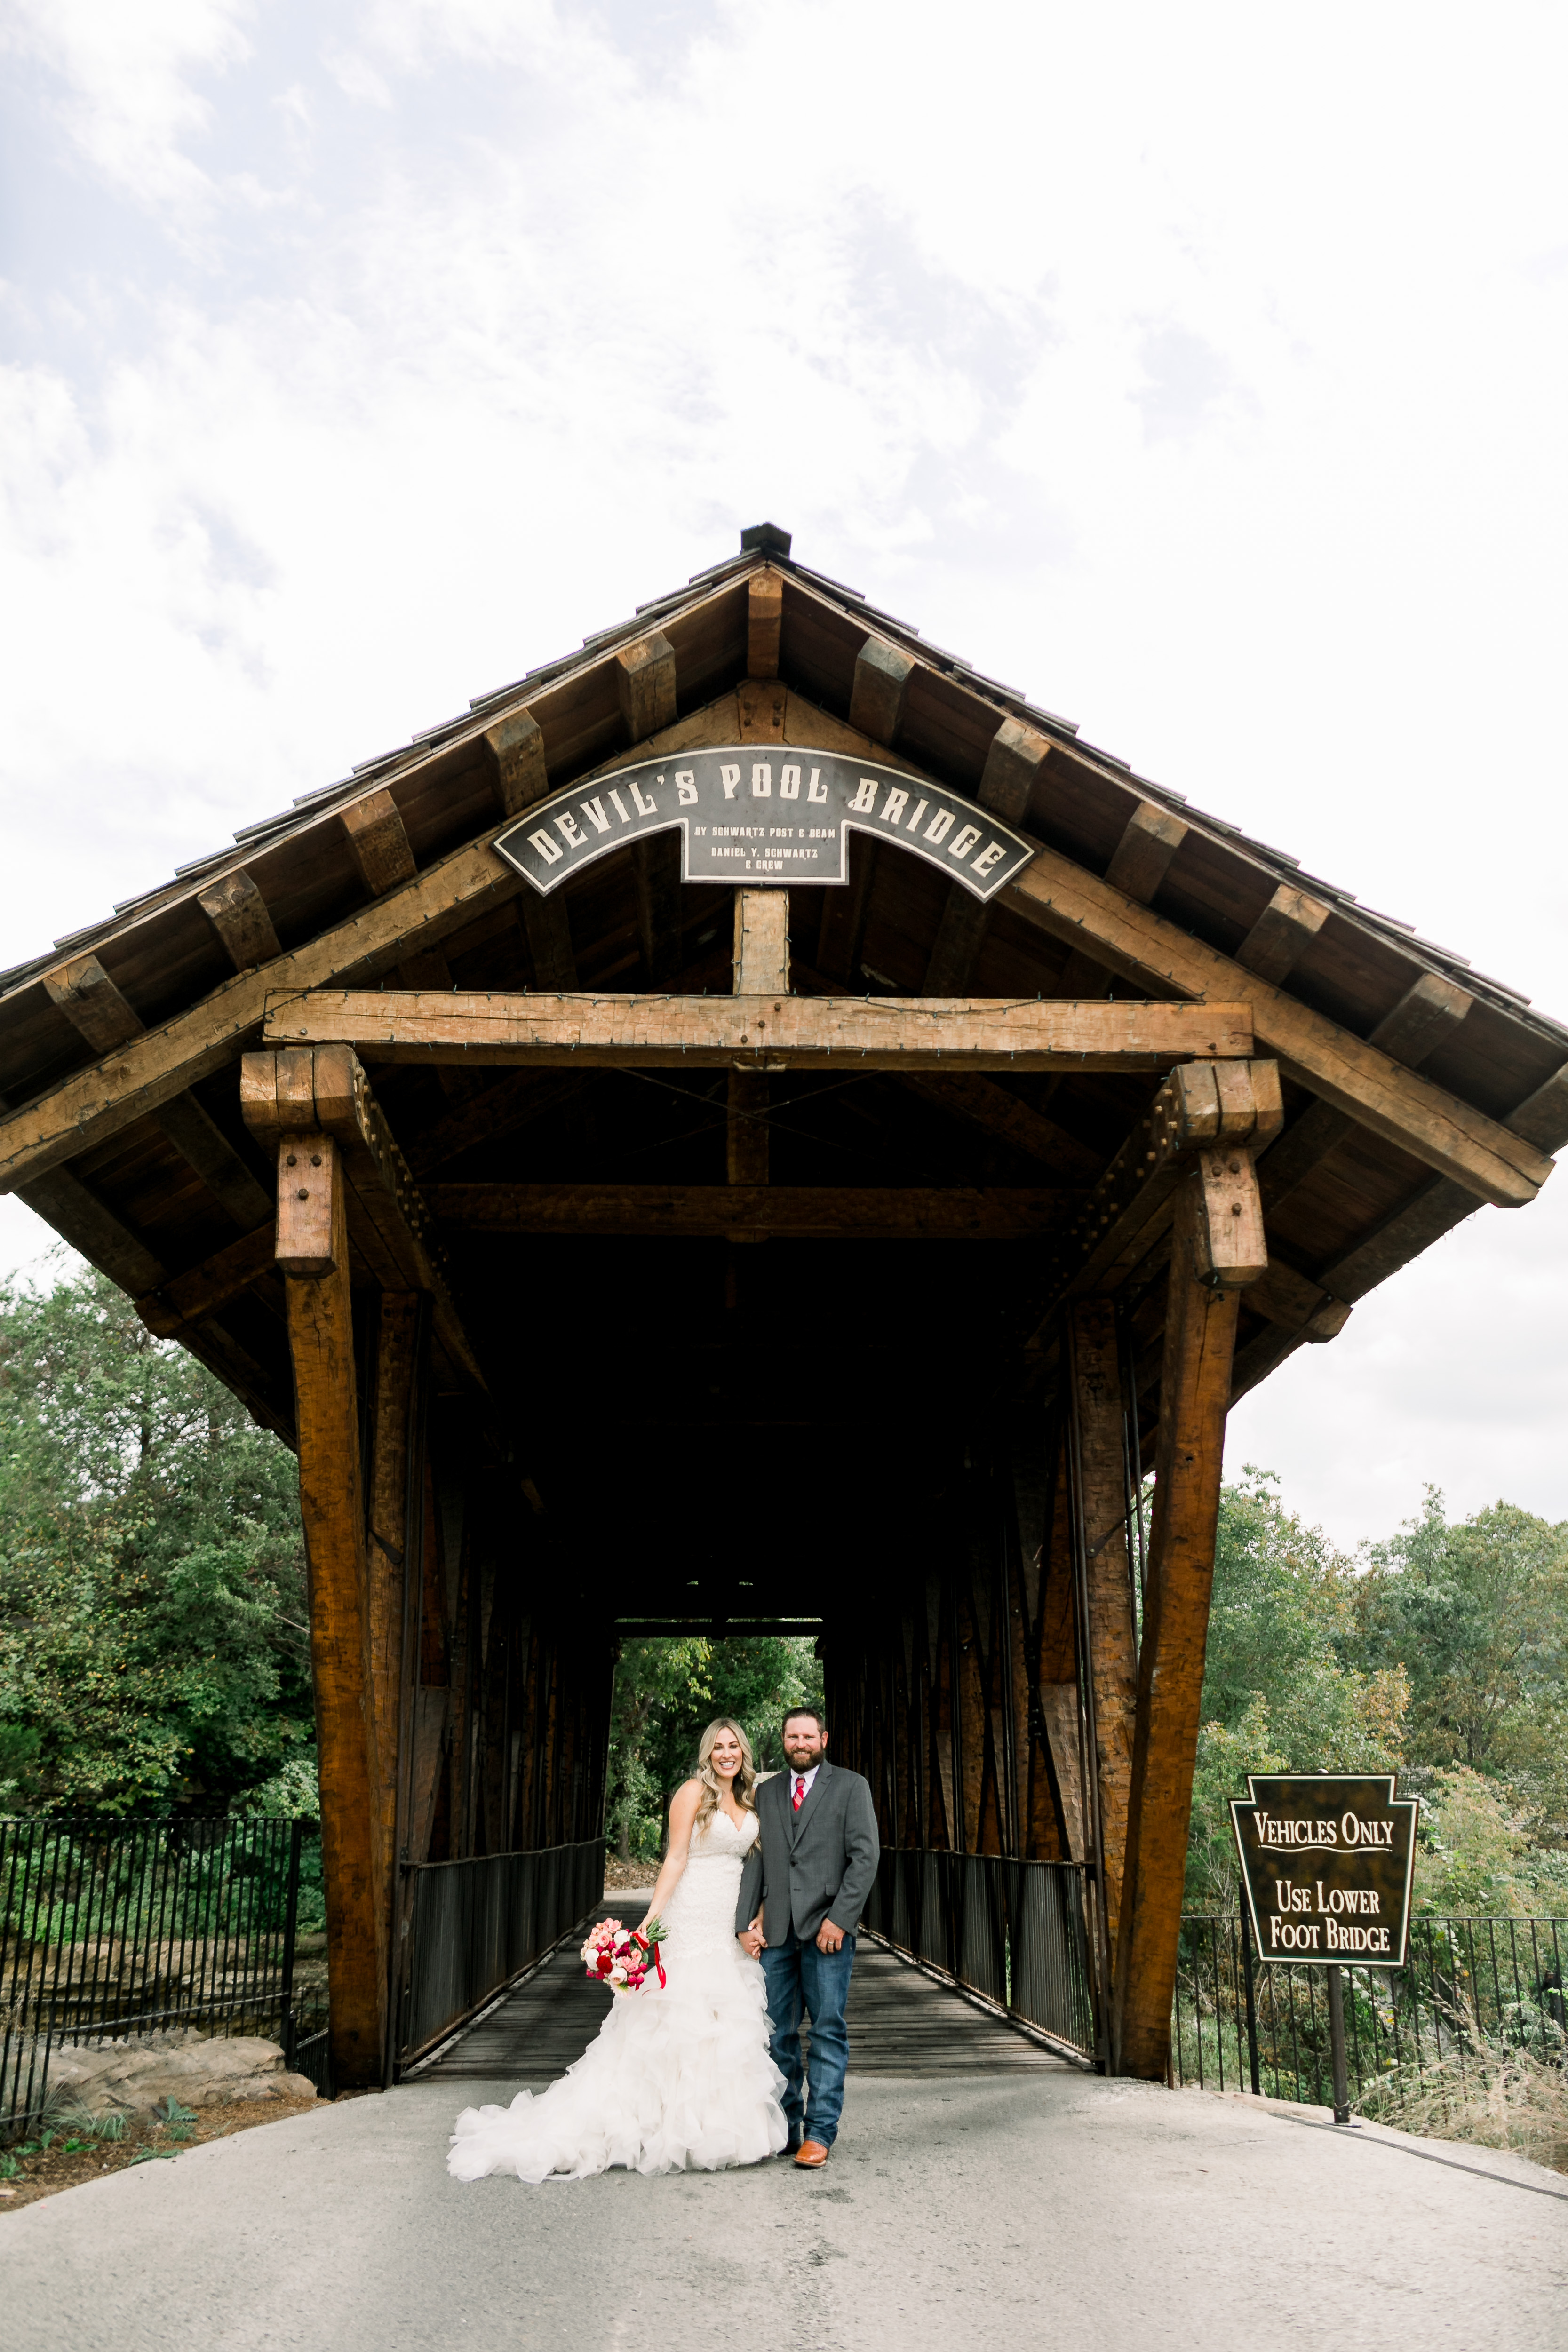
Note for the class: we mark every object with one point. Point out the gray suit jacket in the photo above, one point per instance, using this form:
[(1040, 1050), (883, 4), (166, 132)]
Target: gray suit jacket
[(817, 1865)]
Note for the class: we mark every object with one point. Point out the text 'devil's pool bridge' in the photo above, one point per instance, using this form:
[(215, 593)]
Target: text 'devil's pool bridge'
[(756, 1125)]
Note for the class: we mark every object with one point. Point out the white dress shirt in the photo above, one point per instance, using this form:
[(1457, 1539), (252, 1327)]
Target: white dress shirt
[(801, 1780)]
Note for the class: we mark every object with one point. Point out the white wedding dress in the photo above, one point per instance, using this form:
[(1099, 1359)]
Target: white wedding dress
[(679, 2077)]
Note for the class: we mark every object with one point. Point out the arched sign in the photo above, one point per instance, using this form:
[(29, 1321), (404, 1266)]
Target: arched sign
[(761, 815)]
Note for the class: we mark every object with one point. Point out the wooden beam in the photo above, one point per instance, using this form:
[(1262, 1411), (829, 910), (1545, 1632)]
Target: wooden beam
[(80, 1218), (956, 948), (548, 924), (269, 1399), (748, 1156), (92, 1004), (516, 744), (1012, 763), (150, 1069), (883, 674), (761, 704), (1293, 1304), (760, 965), (844, 910), (1449, 1136), (764, 620), (285, 1095), (203, 1145), (1142, 858), (1541, 1118), (753, 1206), (378, 843), (238, 913), (1278, 1338), (655, 864), (990, 1107), (1282, 934), (388, 1537), (95, 1007), (1232, 1251), (1139, 864), (1205, 1113), (818, 1032), (1200, 1336), (646, 683), (355, 1864), (430, 968), (1429, 1010), (1096, 1374), (206, 1290)]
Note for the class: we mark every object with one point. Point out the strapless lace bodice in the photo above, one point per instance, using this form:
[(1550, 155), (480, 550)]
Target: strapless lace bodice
[(701, 1915)]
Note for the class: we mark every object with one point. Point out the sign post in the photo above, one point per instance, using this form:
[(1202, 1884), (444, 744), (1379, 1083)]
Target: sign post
[(1326, 1859)]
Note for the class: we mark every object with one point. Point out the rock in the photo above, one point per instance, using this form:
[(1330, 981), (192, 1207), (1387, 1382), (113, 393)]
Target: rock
[(210, 2072)]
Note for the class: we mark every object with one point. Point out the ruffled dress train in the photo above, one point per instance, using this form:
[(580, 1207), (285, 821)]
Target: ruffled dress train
[(679, 2077)]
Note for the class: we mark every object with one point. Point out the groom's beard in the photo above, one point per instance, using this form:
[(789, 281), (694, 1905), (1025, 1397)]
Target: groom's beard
[(798, 1763)]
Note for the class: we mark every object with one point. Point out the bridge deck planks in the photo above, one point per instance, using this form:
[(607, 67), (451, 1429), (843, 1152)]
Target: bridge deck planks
[(900, 2022)]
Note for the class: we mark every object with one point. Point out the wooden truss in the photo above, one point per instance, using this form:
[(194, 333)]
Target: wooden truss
[(762, 1032)]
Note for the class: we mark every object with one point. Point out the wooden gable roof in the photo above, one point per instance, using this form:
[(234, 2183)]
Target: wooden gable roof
[(1416, 1088)]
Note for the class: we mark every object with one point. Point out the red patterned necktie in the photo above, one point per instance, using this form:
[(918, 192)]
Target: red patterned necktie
[(799, 1791)]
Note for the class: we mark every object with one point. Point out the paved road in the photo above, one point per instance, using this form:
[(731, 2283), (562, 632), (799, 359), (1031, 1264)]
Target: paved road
[(1036, 2206)]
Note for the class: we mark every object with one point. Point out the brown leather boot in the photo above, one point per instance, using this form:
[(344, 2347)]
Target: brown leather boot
[(811, 2153)]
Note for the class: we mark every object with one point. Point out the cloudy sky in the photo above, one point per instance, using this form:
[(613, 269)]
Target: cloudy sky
[(1200, 371)]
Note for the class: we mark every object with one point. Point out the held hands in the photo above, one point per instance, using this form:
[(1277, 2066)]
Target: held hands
[(751, 1939)]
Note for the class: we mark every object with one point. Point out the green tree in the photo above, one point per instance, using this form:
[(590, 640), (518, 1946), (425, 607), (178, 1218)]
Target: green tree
[(1282, 1692), (1477, 1615), (667, 1692), (153, 1642)]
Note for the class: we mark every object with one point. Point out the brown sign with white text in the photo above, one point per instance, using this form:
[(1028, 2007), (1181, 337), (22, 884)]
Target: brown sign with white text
[(1326, 1860)]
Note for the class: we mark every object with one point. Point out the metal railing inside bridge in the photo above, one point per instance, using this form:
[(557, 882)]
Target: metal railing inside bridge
[(1473, 1990), (1015, 1933), (475, 1926), (113, 1929)]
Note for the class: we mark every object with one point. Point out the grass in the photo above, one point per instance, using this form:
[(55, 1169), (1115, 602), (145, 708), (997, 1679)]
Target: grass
[(72, 2146), (1492, 2095)]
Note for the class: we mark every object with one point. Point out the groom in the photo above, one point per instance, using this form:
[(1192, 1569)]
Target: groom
[(804, 1888)]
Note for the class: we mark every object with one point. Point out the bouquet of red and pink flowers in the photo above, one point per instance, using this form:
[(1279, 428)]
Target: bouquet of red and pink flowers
[(622, 1957)]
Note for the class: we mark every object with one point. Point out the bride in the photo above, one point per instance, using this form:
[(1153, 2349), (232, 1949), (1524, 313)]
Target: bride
[(679, 2078)]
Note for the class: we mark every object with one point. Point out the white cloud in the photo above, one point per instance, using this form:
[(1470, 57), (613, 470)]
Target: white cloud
[(126, 80)]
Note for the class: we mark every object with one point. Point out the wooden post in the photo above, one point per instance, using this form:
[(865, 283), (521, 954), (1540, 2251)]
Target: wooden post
[(312, 1252), (760, 969), (1200, 1338), (387, 1531), (1112, 1645)]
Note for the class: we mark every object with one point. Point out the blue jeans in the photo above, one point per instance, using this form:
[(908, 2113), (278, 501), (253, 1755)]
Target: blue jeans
[(800, 1980)]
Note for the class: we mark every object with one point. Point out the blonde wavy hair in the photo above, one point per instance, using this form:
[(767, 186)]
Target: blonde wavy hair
[(745, 1780)]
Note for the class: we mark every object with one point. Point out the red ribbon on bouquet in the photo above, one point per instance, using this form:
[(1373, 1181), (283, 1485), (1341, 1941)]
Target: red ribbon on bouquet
[(658, 1961)]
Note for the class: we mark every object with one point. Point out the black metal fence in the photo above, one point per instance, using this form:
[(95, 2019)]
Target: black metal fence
[(476, 1925), (1471, 1988), (111, 1927), (1013, 1932)]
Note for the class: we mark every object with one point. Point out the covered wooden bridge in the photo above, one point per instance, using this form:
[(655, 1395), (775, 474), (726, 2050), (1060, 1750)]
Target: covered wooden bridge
[(754, 1125)]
